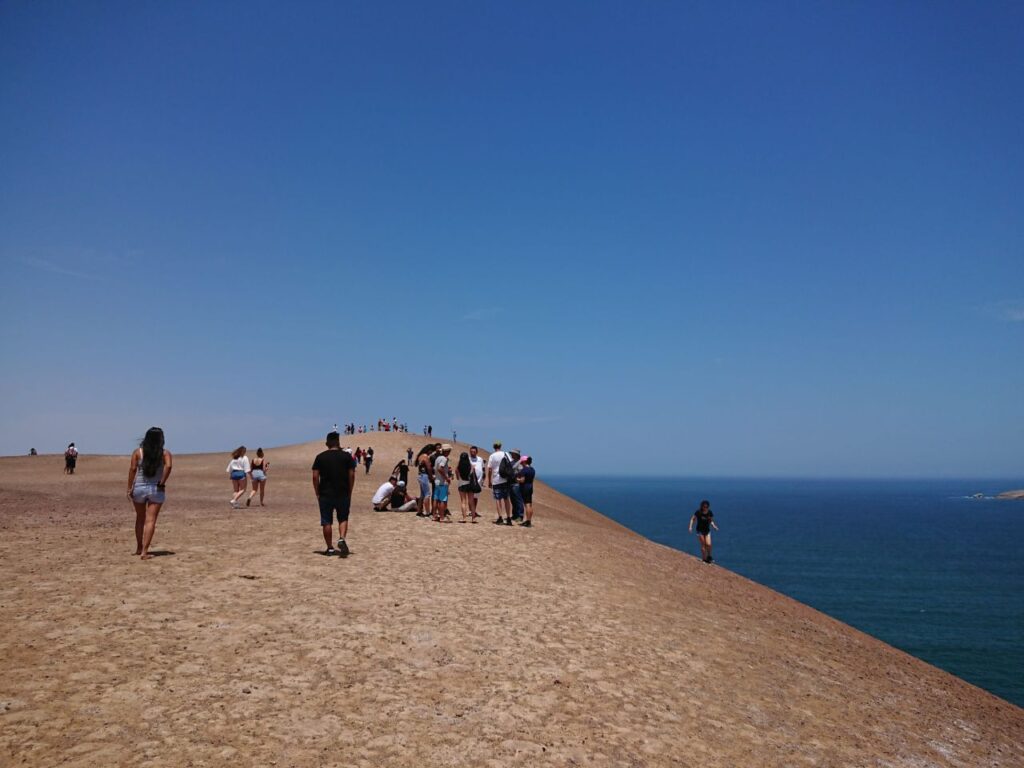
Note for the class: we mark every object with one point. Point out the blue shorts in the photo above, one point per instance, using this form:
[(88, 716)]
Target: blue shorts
[(147, 493), (329, 506), (500, 491), (258, 475), (440, 493), (238, 475), (424, 486)]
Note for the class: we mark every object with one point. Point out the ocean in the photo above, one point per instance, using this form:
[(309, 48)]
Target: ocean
[(919, 564)]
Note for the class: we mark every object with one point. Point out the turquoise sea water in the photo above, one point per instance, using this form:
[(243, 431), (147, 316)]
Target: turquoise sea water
[(918, 564)]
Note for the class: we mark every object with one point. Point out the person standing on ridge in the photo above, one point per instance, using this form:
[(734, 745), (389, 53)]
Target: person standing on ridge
[(147, 480), (499, 476), (480, 471), (514, 494), (524, 479), (334, 478), (442, 479), (70, 459), (704, 519), (425, 476), (408, 454)]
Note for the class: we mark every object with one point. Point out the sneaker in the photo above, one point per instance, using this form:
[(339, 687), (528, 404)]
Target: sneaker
[(331, 551), (234, 504), (342, 548), (508, 521), (499, 521), (526, 524), (248, 501)]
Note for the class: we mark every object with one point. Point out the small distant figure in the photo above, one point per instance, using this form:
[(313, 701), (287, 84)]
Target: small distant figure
[(358, 455), (455, 436), (238, 470), (334, 477), (408, 454), (430, 430), (368, 459), (704, 520), (442, 479), (148, 471), (335, 427), (525, 478), (32, 452), (401, 471), (260, 467), (70, 459)]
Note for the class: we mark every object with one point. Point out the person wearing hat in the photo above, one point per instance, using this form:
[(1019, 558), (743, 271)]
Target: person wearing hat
[(400, 502), (442, 478)]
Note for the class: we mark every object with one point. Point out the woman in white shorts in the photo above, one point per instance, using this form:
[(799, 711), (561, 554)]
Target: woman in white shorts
[(147, 477), (260, 467)]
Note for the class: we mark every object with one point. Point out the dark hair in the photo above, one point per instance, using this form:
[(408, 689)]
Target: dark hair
[(71, 445), (237, 453), (528, 460), (705, 503), (464, 466), (333, 440), (152, 446), (259, 452)]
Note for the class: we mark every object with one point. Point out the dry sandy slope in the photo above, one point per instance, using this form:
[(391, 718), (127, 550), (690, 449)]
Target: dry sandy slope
[(575, 643)]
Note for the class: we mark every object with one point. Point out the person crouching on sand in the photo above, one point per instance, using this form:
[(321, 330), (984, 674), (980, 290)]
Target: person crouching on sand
[(259, 469), (704, 519), (147, 478), (238, 471)]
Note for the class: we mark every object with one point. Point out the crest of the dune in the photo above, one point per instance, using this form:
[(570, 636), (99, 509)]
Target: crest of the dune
[(576, 642)]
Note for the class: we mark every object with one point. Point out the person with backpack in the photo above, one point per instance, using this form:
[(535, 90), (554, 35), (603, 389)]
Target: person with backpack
[(524, 479), (70, 459), (514, 494), (500, 474), (469, 486)]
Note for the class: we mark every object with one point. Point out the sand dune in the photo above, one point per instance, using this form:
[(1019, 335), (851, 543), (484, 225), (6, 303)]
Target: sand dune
[(574, 643)]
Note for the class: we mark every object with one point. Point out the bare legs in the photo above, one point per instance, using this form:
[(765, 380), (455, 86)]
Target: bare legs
[(238, 486), (507, 504), (705, 546), (145, 526), (329, 531), (472, 507), (257, 485), (464, 502)]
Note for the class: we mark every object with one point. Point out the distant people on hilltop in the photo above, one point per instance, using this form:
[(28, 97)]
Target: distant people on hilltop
[(70, 459), (238, 470), (703, 518), (334, 478), (33, 452), (148, 471), (258, 472)]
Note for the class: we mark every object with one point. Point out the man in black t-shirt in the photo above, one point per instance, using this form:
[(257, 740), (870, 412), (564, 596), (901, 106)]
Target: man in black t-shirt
[(334, 477)]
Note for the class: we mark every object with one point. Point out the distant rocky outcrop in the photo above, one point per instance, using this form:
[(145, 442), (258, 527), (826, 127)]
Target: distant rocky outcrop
[(1011, 495)]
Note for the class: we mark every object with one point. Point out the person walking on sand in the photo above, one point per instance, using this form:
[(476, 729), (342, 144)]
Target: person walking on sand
[(368, 459), (408, 454), (148, 471), (238, 470), (70, 459), (704, 520), (401, 471), (258, 472), (442, 479), (499, 475), (334, 478), (524, 479)]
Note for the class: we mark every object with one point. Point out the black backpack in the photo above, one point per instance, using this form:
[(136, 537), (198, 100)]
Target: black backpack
[(507, 468)]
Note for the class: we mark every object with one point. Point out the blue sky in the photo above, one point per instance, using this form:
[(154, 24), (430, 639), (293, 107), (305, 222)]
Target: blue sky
[(635, 237)]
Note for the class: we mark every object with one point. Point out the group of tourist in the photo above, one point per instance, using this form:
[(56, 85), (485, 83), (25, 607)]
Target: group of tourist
[(383, 425), (508, 474)]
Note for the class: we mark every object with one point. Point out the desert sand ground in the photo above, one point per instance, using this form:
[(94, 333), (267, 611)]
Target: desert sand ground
[(574, 643)]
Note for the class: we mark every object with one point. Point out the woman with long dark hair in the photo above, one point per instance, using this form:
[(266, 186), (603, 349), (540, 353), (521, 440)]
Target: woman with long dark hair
[(259, 469), (238, 470), (704, 520), (147, 478), (464, 471)]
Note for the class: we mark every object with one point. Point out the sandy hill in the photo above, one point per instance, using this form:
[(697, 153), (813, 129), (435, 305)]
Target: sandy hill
[(574, 643)]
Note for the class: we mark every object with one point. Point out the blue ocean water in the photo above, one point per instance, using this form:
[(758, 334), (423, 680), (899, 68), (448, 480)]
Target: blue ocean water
[(918, 564)]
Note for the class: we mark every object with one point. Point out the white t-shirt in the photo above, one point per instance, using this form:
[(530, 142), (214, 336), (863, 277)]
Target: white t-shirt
[(239, 465), (493, 464), (440, 464), (384, 492), (478, 468)]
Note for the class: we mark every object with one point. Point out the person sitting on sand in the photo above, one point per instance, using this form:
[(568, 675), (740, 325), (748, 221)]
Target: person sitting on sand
[(260, 467), (238, 470), (334, 477), (382, 498), (524, 478), (703, 517), (70, 459), (148, 471)]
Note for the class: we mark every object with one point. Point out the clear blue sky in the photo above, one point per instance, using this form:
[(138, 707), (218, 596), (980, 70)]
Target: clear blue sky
[(635, 237)]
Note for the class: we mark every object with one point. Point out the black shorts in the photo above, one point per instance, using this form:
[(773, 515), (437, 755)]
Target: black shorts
[(703, 531), (329, 506), (526, 491)]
